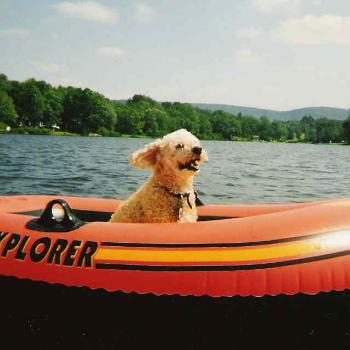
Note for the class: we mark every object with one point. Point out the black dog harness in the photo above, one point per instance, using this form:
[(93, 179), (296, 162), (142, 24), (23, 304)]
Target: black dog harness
[(187, 196)]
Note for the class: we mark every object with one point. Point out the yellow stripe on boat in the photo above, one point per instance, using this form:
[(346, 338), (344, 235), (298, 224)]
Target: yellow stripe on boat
[(318, 245)]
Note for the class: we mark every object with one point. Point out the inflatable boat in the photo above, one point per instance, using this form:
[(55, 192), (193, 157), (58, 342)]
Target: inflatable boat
[(246, 250)]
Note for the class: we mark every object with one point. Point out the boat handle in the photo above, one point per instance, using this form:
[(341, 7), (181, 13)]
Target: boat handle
[(57, 217)]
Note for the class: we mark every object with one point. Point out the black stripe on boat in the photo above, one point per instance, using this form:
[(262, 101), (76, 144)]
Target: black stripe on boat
[(212, 245)]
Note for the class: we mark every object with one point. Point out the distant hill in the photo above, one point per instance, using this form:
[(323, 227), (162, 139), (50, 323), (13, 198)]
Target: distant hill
[(294, 114)]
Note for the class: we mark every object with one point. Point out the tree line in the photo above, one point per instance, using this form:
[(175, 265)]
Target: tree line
[(34, 104)]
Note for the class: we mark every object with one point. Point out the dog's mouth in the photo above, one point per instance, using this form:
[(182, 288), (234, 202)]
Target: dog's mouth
[(192, 165)]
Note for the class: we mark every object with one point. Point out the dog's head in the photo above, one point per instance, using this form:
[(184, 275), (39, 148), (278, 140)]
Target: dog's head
[(179, 152)]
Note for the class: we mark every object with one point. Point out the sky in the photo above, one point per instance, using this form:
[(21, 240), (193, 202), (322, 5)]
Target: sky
[(276, 54)]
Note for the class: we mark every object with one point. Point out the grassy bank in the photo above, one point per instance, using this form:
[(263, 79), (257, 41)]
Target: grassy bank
[(39, 131), (106, 133)]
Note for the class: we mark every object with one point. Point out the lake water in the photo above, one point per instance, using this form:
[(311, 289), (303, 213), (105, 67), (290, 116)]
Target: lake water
[(236, 172)]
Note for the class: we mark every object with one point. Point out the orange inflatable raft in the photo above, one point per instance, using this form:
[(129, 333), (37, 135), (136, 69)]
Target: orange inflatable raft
[(233, 250)]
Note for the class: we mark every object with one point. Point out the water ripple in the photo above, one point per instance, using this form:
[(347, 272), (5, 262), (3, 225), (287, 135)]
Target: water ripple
[(236, 173)]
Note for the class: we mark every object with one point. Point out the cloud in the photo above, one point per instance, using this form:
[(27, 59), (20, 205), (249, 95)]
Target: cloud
[(109, 51), (248, 33), (272, 5), (20, 33), (48, 67), (314, 30), (247, 56), (88, 10), (144, 13)]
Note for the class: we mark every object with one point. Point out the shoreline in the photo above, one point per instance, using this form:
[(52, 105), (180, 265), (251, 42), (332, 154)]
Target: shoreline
[(131, 136)]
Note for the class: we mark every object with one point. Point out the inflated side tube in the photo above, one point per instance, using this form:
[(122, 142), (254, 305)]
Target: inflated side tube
[(233, 250)]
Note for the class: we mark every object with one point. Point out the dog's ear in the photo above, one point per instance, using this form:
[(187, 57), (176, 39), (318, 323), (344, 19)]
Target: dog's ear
[(146, 157)]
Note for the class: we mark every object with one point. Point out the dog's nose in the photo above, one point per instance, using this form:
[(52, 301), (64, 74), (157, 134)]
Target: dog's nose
[(197, 150)]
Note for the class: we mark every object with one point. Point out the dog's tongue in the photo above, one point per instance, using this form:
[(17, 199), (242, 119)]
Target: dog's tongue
[(191, 165), (194, 164)]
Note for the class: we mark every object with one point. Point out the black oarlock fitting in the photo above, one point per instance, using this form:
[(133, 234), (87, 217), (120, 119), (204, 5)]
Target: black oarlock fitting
[(57, 217)]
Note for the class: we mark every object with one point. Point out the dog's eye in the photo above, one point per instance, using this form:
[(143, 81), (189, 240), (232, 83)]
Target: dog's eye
[(179, 146)]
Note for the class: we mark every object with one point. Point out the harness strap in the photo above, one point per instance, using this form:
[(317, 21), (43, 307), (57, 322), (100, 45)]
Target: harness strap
[(187, 196), (182, 196)]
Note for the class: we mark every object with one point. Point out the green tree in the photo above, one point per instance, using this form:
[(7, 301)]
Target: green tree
[(205, 126), (325, 131), (156, 122), (100, 112), (71, 118), (5, 85), (53, 107), (189, 117), (182, 115), (346, 130), (280, 132), (162, 121), (85, 111), (265, 129), (129, 122), (150, 126), (175, 120), (235, 126), (141, 102), (8, 114), (224, 124), (30, 103), (294, 130), (249, 126), (308, 128)]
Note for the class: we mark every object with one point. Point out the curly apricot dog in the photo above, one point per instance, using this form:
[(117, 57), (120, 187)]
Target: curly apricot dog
[(168, 195)]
